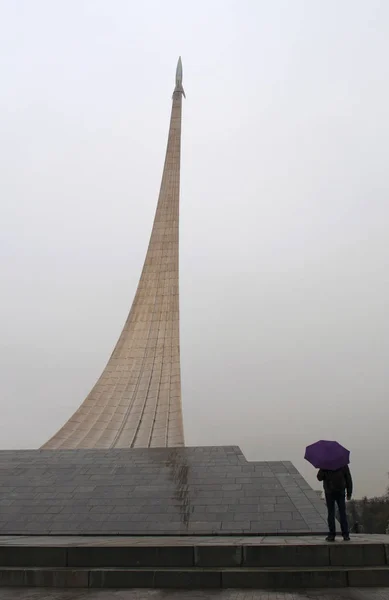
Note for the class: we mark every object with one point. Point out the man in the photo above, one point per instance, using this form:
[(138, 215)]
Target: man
[(336, 484)]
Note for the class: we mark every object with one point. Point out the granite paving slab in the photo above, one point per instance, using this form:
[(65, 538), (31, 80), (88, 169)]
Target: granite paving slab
[(154, 491)]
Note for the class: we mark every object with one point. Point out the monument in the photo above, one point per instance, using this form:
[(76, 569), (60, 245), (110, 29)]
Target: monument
[(136, 403), (119, 465)]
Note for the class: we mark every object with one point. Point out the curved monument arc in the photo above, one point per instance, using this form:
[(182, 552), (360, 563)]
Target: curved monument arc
[(136, 401)]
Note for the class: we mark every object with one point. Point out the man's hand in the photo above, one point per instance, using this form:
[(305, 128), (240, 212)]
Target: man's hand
[(348, 497)]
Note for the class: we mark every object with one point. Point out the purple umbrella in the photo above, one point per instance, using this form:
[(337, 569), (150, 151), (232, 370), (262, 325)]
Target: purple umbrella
[(327, 455)]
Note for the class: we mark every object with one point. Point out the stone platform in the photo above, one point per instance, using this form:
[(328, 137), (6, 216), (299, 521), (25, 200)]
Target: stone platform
[(167, 491)]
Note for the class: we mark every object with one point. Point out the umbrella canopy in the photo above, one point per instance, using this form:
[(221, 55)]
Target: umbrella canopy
[(327, 455)]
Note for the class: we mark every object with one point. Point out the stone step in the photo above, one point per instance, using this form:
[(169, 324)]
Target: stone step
[(201, 556), (190, 578)]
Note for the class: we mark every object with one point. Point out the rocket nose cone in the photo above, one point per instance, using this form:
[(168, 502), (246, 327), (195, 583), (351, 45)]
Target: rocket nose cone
[(179, 71)]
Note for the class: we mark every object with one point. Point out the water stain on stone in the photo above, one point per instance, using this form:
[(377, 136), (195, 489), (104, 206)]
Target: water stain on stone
[(179, 474)]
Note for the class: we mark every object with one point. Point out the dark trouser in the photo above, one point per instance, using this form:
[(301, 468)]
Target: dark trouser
[(338, 498)]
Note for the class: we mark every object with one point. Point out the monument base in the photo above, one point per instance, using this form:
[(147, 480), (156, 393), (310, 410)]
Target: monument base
[(154, 491)]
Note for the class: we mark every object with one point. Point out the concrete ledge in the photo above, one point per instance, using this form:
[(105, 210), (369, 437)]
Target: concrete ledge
[(32, 556), (218, 556), (353, 555), (286, 556), (195, 555), (62, 578), (262, 579), (137, 556), (196, 579), (368, 577), (254, 578), (121, 578), (11, 578)]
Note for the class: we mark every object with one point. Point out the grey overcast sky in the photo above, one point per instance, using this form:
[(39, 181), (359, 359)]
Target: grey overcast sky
[(284, 258)]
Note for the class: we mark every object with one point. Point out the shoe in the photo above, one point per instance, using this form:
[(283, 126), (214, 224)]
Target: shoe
[(330, 538), (346, 538)]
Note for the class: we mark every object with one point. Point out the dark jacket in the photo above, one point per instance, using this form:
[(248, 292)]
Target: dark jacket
[(336, 481)]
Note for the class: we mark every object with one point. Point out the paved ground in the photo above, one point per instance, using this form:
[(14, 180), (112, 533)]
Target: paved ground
[(65, 540), (50, 594)]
